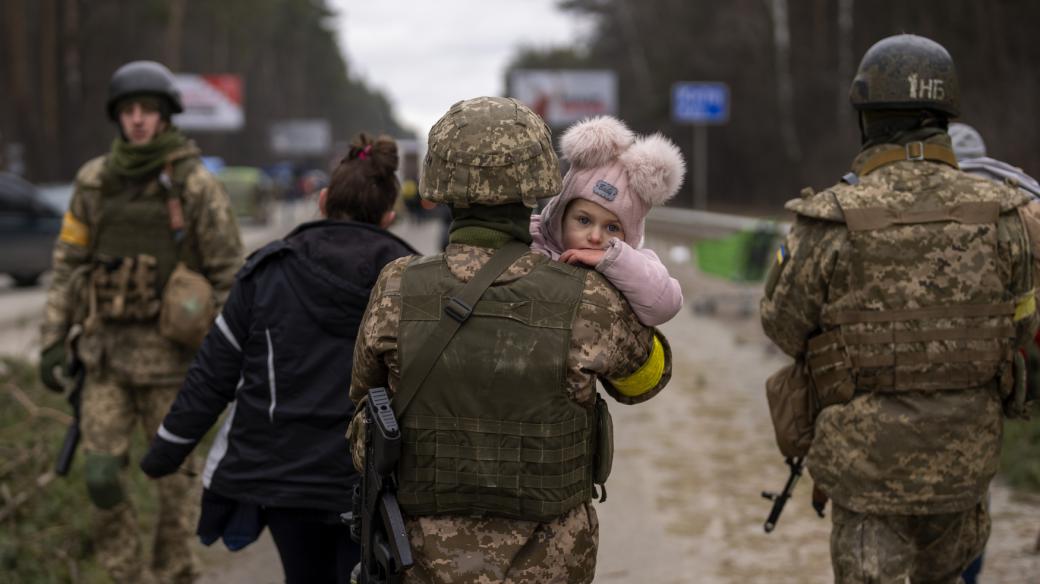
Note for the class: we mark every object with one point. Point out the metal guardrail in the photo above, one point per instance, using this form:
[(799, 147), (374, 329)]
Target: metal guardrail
[(691, 224)]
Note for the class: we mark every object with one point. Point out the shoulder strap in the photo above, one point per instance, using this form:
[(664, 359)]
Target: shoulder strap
[(911, 151), (456, 312)]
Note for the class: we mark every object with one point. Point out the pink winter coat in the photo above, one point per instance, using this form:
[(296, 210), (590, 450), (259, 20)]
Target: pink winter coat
[(638, 274)]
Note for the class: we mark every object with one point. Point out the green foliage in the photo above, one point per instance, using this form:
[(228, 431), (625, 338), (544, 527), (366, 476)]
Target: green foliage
[(47, 538), (1020, 458)]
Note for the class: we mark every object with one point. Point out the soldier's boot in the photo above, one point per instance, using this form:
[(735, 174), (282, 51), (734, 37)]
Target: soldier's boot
[(173, 557), (118, 545)]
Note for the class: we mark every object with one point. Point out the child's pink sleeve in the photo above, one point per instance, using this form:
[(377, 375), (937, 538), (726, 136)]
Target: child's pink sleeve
[(640, 276)]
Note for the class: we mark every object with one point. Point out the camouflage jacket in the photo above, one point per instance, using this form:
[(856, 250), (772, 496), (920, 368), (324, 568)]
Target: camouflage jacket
[(608, 342), (901, 452), (136, 353)]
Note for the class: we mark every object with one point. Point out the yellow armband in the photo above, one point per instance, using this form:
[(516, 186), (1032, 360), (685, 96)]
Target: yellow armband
[(1026, 305), (646, 377), (74, 231)]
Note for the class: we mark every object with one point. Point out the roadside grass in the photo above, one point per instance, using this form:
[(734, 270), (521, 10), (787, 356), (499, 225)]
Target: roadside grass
[(45, 529), (1020, 457)]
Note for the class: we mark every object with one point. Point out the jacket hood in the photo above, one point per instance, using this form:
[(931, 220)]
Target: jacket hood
[(338, 264)]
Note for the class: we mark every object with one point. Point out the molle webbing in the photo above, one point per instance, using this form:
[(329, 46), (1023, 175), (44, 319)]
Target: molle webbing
[(493, 430), (970, 213), (912, 151), (893, 359), (138, 242), (953, 311)]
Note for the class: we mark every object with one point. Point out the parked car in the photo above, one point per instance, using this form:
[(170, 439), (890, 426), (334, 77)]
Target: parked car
[(28, 227), (251, 191)]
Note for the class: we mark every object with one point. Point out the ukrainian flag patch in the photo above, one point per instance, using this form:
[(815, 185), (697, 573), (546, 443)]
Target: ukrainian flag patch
[(782, 255)]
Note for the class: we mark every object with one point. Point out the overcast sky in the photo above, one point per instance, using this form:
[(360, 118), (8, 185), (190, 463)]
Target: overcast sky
[(426, 55)]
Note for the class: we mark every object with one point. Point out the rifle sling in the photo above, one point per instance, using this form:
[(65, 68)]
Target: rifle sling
[(456, 312)]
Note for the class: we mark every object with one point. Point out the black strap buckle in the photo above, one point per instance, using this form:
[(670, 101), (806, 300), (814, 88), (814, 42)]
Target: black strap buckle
[(457, 309)]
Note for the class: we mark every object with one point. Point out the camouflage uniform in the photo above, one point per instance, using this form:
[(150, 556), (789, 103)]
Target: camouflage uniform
[(133, 372), (907, 469), (607, 342)]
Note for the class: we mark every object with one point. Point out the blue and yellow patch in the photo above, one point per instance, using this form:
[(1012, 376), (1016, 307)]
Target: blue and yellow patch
[(782, 255)]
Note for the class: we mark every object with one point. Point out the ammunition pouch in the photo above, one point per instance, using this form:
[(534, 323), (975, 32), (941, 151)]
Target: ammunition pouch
[(830, 369), (188, 307), (798, 392), (604, 457), (122, 289), (1014, 389), (793, 407)]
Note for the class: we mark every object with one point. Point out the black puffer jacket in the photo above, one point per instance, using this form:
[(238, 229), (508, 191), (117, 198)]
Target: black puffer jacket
[(281, 353)]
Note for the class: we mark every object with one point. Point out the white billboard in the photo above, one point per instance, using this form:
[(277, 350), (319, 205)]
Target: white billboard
[(301, 137), (211, 103), (565, 96)]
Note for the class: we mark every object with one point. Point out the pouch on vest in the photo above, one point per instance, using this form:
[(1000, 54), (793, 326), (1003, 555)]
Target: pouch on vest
[(604, 458), (793, 408), (122, 289), (830, 369), (1015, 401), (188, 307)]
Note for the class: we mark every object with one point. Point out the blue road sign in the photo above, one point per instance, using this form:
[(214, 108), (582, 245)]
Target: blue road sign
[(696, 102)]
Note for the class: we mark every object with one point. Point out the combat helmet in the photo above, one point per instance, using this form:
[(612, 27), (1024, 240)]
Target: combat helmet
[(489, 151), (906, 72), (143, 78)]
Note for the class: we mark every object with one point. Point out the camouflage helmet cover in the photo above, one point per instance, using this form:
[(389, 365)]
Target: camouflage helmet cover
[(906, 72), (489, 151), (143, 78)]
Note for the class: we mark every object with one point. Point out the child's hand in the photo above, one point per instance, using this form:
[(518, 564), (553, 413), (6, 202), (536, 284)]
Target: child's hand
[(589, 257)]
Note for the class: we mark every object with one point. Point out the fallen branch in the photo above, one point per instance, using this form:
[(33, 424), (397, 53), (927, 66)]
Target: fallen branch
[(35, 410), (18, 500)]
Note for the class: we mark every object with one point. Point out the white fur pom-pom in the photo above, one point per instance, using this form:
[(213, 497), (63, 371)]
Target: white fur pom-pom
[(595, 142), (655, 168)]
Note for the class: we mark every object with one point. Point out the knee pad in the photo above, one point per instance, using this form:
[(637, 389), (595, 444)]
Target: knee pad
[(103, 482)]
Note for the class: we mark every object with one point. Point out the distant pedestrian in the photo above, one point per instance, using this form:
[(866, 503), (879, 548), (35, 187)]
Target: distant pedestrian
[(280, 354)]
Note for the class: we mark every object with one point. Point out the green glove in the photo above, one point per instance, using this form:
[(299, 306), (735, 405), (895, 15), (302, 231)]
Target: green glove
[(52, 364)]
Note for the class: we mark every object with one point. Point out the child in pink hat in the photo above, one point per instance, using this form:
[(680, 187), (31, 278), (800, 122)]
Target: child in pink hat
[(598, 218)]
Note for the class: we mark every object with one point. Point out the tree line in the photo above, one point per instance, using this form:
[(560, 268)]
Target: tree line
[(56, 58), (789, 65)]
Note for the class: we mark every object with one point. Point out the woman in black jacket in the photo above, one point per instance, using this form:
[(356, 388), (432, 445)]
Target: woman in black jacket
[(281, 353)]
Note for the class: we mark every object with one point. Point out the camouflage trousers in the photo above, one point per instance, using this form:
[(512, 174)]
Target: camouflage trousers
[(888, 549), (110, 413), (468, 550)]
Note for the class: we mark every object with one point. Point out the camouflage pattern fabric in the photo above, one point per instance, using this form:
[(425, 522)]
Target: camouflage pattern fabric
[(607, 341), (212, 231), (134, 372), (903, 452), (886, 549), (110, 414), (489, 151)]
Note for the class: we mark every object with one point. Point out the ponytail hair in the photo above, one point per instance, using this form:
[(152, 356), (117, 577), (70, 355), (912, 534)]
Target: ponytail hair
[(364, 186)]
